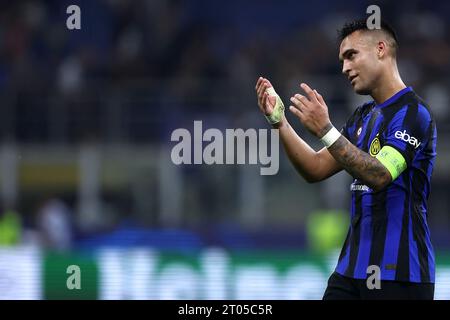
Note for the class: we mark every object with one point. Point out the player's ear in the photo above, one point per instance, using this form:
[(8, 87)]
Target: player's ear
[(381, 49)]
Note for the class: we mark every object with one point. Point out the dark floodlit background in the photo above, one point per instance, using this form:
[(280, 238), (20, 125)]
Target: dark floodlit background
[(86, 177)]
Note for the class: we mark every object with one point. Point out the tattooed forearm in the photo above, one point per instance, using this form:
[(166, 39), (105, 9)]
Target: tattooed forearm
[(360, 164)]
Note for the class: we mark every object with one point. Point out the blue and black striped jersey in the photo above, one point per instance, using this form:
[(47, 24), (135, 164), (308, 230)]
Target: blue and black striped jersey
[(389, 228)]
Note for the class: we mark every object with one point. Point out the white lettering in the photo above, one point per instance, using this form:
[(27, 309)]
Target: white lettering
[(407, 138), (74, 20), (235, 139), (373, 281), (74, 280), (373, 21)]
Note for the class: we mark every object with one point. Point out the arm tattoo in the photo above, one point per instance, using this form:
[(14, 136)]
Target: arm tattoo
[(360, 164)]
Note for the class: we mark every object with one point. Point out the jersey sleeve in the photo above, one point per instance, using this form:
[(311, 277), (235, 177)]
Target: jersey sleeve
[(407, 132)]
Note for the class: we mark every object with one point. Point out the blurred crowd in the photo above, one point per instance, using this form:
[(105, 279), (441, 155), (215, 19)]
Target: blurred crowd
[(139, 69), (182, 59)]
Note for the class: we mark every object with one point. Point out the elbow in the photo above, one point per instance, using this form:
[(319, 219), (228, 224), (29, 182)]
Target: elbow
[(380, 184), (309, 178), (378, 180), (376, 188), (313, 179)]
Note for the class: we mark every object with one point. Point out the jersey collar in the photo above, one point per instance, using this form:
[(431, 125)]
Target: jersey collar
[(395, 97)]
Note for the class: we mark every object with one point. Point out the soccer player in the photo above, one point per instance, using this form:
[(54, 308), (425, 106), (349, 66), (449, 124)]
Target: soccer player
[(388, 146)]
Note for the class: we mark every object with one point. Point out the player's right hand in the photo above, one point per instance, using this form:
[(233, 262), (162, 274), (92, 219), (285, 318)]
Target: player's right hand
[(266, 102)]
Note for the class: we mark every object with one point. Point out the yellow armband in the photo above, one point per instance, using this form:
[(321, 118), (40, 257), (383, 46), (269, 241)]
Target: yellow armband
[(392, 160)]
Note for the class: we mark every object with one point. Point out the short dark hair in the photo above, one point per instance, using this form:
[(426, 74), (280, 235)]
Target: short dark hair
[(361, 24)]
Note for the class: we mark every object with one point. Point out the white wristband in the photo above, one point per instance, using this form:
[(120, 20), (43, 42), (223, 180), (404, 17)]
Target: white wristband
[(330, 137)]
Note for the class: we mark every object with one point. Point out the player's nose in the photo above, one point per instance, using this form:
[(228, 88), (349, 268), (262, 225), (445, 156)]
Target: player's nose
[(345, 69)]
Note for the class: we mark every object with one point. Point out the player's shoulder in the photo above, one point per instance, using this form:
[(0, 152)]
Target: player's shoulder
[(423, 109), (411, 106)]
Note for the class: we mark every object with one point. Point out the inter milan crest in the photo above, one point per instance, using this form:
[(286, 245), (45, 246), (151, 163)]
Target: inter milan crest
[(375, 147)]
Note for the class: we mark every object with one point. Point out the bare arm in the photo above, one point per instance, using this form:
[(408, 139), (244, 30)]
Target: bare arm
[(311, 165), (313, 113), (360, 164)]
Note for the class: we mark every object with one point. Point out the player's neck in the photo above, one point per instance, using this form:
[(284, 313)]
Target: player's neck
[(388, 87)]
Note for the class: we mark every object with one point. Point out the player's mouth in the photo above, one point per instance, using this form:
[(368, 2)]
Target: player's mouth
[(352, 79)]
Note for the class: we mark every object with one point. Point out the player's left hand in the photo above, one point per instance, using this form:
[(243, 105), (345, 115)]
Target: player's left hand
[(311, 110)]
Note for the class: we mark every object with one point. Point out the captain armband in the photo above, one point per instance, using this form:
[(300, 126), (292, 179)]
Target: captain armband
[(392, 160)]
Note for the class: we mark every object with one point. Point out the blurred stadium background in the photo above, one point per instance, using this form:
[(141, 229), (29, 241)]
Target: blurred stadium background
[(85, 170)]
